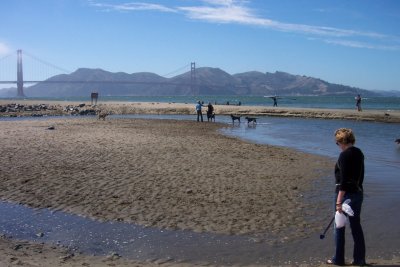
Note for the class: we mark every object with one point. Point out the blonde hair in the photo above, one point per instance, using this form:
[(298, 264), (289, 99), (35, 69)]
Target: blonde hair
[(345, 136)]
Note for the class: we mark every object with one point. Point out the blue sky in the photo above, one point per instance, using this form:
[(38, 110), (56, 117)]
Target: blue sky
[(350, 42)]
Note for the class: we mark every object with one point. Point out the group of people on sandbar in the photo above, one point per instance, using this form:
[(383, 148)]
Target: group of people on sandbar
[(210, 111)]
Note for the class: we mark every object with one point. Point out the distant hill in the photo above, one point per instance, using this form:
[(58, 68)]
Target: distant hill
[(8, 92), (208, 81)]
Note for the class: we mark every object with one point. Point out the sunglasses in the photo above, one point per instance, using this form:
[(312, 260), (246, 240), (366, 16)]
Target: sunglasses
[(337, 143)]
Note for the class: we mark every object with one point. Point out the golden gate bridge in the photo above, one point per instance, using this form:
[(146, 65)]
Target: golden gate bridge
[(12, 72)]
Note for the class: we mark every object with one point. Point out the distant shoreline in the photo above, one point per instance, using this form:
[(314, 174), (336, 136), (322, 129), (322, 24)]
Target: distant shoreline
[(122, 107)]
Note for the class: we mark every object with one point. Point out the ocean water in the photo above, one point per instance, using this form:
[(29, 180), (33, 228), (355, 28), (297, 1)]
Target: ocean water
[(376, 140), (382, 154), (328, 102), (380, 212)]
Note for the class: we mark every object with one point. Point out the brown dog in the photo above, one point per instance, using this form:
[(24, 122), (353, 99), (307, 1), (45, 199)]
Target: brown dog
[(103, 115)]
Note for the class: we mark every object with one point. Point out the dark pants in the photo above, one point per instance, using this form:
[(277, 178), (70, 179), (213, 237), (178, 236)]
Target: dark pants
[(199, 115), (356, 231)]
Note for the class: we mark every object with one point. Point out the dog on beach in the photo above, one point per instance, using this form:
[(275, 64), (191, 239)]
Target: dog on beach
[(103, 115), (211, 117), (249, 119), (235, 118)]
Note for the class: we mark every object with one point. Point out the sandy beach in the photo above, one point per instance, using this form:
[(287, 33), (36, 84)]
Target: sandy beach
[(158, 173), (169, 174), (390, 116)]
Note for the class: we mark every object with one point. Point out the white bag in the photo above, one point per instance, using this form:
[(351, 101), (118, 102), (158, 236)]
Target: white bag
[(346, 207), (340, 219)]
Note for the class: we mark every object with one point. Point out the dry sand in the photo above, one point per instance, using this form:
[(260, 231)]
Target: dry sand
[(165, 174)]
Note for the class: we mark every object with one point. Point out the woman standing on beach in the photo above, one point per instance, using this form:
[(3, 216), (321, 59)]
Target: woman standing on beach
[(349, 175)]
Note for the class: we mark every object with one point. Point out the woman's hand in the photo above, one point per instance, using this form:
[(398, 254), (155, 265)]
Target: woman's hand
[(339, 207), (339, 200)]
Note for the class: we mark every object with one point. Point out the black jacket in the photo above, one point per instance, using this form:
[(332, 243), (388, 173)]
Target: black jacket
[(349, 170)]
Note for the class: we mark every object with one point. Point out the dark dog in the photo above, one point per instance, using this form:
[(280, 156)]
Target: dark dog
[(235, 118), (211, 117), (253, 120)]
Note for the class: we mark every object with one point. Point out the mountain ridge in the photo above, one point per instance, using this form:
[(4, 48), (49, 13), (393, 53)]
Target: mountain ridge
[(207, 81)]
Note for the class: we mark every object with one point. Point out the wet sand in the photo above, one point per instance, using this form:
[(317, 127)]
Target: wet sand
[(158, 173), (27, 254)]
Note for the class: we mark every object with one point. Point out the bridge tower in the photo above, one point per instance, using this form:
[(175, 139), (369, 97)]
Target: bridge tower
[(20, 77), (193, 78)]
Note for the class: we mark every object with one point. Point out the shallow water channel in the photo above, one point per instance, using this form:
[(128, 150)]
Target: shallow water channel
[(380, 214), (137, 242)]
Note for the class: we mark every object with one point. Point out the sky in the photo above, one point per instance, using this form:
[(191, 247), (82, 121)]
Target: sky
[(349, 42)]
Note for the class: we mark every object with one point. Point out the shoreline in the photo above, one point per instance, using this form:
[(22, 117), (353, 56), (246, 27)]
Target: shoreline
[(120, 108)]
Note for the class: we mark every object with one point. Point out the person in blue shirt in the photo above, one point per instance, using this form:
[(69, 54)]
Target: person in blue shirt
[(198, 111)]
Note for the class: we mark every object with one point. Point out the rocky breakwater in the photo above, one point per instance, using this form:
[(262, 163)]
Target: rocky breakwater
[(17, 110), (39, 110), (80, 109)]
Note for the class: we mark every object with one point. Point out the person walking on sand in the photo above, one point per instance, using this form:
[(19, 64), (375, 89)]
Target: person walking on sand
[(349, 176), (198, 111), (358, 102), (274, 98)]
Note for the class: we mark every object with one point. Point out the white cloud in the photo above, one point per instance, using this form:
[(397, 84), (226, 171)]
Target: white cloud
[(222, 14), (230, 11), (137, 6), (4, 49), (237, 12), (357, 44), (219, 2)]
